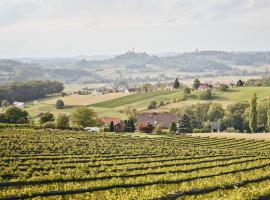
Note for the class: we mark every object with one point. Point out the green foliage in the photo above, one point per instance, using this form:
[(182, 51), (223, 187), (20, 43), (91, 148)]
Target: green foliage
[(35, 161), (196, 84), (184, 125), (5, 103), (176, 84), (59, 104), (48, 124), (223, 87), (84, 117), (62, 122), (187, 90), (46, 117), (111, 126), (152, 105), (205, 95), (215, 112), (63, 94), (16, 115), (173, 127), (202, 130), (262, 117), (33, 89), (268, 115), (253, 114)]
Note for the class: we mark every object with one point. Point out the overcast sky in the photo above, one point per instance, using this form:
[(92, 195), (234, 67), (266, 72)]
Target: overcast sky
[(45, 28)]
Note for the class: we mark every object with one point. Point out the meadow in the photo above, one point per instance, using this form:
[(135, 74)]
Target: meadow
[(58, 164), (112, 104)]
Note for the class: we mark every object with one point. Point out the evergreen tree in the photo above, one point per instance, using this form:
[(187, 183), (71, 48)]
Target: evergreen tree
[(268, 115), (196, 83), (173, 127), (111, 126), (253, 114), (184, 125), (176, 84), (132, 126)]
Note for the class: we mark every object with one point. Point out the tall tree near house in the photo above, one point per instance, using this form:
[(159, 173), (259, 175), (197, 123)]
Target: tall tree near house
[(196, 84), (173, 127), (268, 115), (184, 125), (111, 126), (253, 114), (176, 84)]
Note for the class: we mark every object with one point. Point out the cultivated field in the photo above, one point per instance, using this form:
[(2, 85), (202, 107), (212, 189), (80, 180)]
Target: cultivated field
[(85, 100), (77, 165)]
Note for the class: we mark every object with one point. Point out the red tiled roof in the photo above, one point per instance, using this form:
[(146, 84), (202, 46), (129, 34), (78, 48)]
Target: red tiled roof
[(108, 120)]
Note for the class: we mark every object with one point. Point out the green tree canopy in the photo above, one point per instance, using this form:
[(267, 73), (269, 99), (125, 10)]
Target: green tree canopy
[(184, 125), (253, 114), (215, 112), (59, 104), (46, 117), (84, 117), (62, 121), (16, 115), (176, 84), (196, 84)]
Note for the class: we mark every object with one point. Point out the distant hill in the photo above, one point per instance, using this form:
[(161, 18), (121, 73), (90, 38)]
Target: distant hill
[(202, 61), (141, 67)]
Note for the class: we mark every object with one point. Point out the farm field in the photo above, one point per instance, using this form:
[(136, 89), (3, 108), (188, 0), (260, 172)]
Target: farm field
[(85, 100), (78, 165), (112, 104), (225, 98)]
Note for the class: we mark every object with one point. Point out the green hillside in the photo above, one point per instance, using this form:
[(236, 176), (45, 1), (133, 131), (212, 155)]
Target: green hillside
[(140, 98)]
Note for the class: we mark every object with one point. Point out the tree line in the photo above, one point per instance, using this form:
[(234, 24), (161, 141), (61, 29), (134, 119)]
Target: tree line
[(237, 117), (28, 91)]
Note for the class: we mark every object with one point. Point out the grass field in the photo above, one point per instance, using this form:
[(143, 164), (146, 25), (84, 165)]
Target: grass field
[(157, 95), (79, 165), (111, 104)]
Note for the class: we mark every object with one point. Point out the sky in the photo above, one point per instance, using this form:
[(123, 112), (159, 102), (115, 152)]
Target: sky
[(61, 28)]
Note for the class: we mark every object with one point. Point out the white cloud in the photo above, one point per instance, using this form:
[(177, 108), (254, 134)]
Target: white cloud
[(78, 23)]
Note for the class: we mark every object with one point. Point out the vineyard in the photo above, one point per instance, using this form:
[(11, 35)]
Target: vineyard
[(79, 165)]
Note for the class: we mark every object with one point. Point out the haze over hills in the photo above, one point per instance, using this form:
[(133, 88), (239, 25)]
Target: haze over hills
[(97, 69)]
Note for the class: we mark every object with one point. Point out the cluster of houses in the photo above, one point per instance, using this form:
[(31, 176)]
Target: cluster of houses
[(164, 120), (105, 90)]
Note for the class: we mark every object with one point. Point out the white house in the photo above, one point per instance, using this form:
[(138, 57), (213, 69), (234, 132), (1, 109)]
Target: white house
[(19, 104)]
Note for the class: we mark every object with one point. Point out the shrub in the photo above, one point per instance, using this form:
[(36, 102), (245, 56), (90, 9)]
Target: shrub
[(59, 104), (48, 124), (152, 105), (202, 130), (205, 95), (46, 117), (84, 117), (187, 90), (173, 127), (62, 121), (16, 115)]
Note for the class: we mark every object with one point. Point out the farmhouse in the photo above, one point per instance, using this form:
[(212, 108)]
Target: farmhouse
[(108, 120), (19, 104), (164, 119), (203, 86)]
